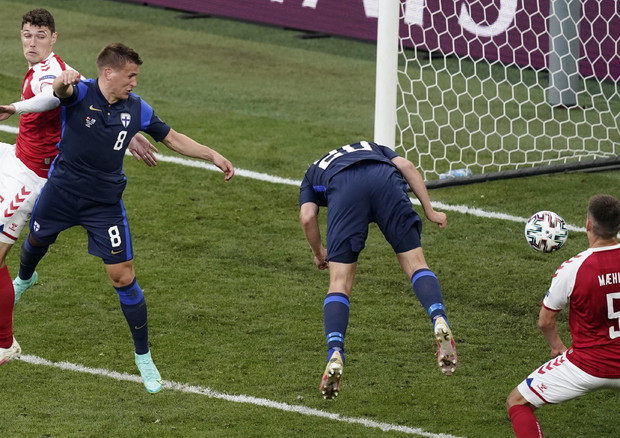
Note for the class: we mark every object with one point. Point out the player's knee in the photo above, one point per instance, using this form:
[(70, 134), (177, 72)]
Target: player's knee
[(121, 274), (122, 280), (341, 282), (4, 250), (34, 242), (514, 398)]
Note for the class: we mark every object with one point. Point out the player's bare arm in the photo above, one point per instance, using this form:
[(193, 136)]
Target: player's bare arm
[(547, 323), (184, 145), (308, 217), (416, 182), (63, 84)]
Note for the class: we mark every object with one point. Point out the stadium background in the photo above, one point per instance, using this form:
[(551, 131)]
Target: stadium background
[(234, 299), (523, 41)]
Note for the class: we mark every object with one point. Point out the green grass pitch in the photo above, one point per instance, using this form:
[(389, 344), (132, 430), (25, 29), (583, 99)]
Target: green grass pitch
[(234, 298)]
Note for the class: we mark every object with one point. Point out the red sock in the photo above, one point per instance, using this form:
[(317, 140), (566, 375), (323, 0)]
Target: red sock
[(524, 422), (7, 302)]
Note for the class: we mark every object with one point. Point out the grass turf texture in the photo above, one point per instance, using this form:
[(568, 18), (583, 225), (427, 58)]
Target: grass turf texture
[(234, 299)]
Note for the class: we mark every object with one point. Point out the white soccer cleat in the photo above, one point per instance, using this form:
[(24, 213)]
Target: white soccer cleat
[(7, 354), (447, 358), (330, 382)]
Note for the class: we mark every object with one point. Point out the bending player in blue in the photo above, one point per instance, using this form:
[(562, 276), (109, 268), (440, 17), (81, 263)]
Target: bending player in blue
[(362, 183), (86, 181)]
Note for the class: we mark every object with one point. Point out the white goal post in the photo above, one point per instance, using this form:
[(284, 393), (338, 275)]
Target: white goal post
[(503, 88)]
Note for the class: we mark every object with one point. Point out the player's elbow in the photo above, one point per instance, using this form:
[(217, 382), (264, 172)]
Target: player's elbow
[(307, 214), (305, 219), (405, 166), (546, 325), (408, 165), (547, 319)]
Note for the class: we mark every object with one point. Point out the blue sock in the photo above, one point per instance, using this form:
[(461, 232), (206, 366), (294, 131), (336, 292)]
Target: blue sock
[(29, 258), (335, 320), (133, 306), (427, 289)]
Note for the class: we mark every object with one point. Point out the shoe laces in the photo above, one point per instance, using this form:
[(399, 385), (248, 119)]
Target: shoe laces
[(148, 369)]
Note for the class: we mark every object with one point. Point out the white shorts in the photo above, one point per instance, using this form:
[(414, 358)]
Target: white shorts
[(559, 380), (19, 189)]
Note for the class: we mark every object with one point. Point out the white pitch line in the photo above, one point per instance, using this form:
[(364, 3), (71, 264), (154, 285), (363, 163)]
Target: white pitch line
[(240, 172), (489, 214), (192, 389), (9, 129), (464, 209), (255, 400)]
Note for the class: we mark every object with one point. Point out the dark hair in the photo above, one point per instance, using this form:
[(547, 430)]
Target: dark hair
[(604, 212), (116, 55), (40, 18)]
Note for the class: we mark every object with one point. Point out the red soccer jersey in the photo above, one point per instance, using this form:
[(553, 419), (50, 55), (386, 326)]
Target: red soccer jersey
[(590, 281), (39, 133)]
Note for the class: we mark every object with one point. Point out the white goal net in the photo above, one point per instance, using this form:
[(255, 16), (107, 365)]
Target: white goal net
[(499, 85)]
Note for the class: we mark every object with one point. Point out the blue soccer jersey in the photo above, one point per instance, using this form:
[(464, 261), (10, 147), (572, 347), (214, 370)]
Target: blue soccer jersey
[(371, 190), (95, 135), (320, 173)]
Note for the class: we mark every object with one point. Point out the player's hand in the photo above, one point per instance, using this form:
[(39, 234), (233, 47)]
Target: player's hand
[(439, 218), (63, 84), (320, 260), (555, 352), (6, 111), (70, 77), (144, 150), (224, 165)]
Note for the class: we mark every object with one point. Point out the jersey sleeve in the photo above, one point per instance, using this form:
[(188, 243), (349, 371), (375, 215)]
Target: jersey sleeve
[(389, 153), (79, 92), (562, 285), (44, 101), (46, 81), (311, 193), (151, 124)]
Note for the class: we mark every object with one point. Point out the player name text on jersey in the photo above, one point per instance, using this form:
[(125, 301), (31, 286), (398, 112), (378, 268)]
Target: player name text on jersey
[(610, 278)]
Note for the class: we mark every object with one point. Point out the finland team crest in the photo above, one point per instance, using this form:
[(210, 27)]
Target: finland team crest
[(125, 119)]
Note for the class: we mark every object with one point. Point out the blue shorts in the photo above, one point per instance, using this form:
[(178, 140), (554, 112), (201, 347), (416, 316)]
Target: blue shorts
[(364, 193), (56, 210)]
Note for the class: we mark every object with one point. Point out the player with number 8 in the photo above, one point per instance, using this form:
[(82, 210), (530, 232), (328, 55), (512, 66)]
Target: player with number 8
[(86, 182), (24, 166)]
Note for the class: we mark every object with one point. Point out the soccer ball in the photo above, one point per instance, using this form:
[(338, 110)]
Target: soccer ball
[(546, 231)]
